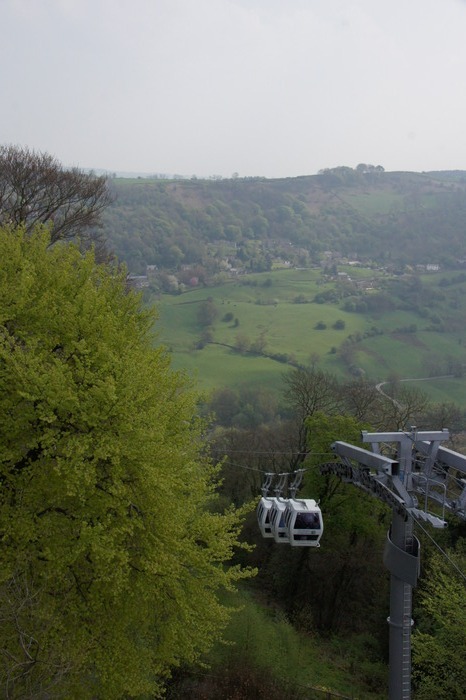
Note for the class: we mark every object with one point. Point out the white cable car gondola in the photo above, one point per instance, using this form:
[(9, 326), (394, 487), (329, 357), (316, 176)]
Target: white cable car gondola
[(303, 522), (277, 520), (263, 516)]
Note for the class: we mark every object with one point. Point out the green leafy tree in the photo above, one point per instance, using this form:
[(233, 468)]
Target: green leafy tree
[(112, 549), (339, 324), (225, 405), (207, 313), (438, 664)]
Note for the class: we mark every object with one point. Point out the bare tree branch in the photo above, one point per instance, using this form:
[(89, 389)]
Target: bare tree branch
[(36, 189)]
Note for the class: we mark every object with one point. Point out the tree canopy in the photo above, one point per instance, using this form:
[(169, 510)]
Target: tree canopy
[(438, 664), (112, 548)]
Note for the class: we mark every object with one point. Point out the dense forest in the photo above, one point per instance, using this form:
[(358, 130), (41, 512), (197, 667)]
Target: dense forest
[(363, 213)]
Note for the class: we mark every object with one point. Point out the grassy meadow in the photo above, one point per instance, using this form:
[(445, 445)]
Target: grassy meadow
[(276, 312)]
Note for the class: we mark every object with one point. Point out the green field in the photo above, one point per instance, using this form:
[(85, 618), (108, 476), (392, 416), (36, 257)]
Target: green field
[(444, 389), (216, 366), (262, 309), (373, 202)]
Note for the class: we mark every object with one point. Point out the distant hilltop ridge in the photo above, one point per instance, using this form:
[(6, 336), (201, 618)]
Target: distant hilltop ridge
[(127, 174)]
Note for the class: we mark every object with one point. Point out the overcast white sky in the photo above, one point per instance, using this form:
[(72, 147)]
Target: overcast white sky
[(260, 87)]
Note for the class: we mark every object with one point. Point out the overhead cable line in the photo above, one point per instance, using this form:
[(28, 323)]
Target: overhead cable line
[(263, 471), (242, 466), (449, 559), (299, 453)]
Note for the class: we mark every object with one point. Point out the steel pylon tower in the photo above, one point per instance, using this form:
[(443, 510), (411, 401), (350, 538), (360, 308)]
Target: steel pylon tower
[(416, 472)]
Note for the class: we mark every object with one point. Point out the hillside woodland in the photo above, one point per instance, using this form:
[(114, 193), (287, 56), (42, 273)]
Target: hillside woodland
[(378, 262), (364, 213)]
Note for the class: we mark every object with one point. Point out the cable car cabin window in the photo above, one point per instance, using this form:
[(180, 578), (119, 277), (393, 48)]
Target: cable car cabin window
[(307, 521)]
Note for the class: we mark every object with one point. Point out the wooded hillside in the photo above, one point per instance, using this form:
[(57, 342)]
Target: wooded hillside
[(398, 218)]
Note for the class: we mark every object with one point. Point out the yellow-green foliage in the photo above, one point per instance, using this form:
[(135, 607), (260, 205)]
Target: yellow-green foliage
[(438, 663), (111, 552)]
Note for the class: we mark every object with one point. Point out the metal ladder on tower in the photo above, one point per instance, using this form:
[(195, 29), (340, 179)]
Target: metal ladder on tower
[(407, 620)]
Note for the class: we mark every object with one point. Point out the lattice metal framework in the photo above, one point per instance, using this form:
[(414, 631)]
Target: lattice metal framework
[(412, 473)]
